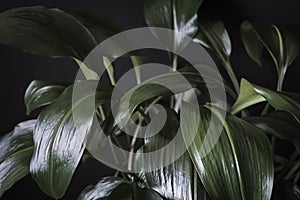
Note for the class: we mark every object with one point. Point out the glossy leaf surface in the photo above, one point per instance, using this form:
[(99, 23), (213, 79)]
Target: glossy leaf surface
[(251, 94), (280, 124), (48, 32), (16, 151), (177, 15), (112, 188), (239, 165), (179, 179), (156, 87), (212, 34), (281, 44), (40, 93), (59, 136)]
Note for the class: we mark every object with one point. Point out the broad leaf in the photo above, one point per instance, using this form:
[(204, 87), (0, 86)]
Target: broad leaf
[(157, 86), (60, 134), (43, 31), (247, 97), (177, 15), (101, 27), (236, 165), (112, 188), (212, 34), (179, 179), (282, 45), (16, 151), (251, 94), (40, 93), (280, 124)]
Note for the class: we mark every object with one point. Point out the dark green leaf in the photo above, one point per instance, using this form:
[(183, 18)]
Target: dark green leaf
[(112, 188), (178, 15), (43, 31), (16, 151), (212, 34), (178, 180), (60, 134), (155, 87), (251, 94), (236, 165), (101, 27), (40, 93), (280, 124), (282, 45)]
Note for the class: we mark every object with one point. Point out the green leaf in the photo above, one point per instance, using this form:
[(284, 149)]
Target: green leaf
[(136, 62), (155, 86), (60, 134), (282, 45), (88, 73), (280, 124), (178, 180), (48, 32), (40, 93), (16, 151), (212, 34), (247, 97), (251, 94), (101, 27), (112, 188), (177, 15), (236, 165)]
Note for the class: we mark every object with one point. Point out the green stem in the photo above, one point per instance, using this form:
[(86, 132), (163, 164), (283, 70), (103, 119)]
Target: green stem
[(133, 141), (292, 170), (174, 67), (232, 76), (287, 165)]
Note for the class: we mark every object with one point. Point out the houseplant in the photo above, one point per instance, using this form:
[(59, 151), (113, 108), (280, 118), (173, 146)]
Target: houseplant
[(241, 161)]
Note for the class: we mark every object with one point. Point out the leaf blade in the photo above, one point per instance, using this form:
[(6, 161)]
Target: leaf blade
[(40, 93), (16, 151), (241, 176), (59, 136)]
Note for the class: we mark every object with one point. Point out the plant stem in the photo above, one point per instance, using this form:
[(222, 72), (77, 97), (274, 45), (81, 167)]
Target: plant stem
[(231, 74), (133, 141), (296, 177), (292, 170), (287, 165), (280, 80)]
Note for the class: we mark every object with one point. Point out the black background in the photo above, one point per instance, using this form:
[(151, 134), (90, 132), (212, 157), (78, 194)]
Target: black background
[(18, 68)]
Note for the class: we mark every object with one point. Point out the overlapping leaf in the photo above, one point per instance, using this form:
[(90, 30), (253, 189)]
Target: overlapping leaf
[(282, 45), (40, 93), (43, 31), (112, 188), (280, 124), (178, 15), (251, 94), (212, 34), (16, 151), (59, 136), (239, 165), (157, 87), (179, 179)]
